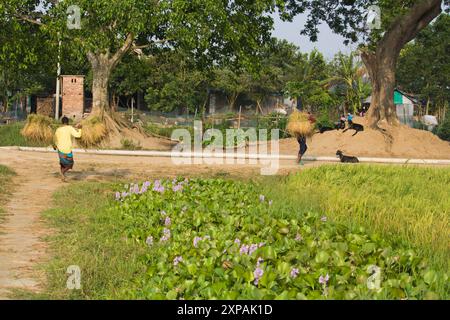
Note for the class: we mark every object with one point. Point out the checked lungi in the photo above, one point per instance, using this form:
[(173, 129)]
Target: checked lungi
[(66, 160)]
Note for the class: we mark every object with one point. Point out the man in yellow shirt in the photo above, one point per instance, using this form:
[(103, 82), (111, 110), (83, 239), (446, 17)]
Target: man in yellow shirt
[(63, 143)]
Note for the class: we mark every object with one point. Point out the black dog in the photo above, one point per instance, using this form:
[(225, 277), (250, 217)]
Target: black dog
[(337, 126), (346, 159), (356, 127), (323, 129)]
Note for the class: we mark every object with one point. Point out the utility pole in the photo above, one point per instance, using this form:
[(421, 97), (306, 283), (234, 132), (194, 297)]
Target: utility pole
[(58, 82)]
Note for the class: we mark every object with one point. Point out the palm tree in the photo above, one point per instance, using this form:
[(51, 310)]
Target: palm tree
[(349, 74)]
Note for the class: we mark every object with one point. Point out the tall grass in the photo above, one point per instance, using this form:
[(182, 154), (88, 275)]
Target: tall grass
[(408, 204), (10, 135)]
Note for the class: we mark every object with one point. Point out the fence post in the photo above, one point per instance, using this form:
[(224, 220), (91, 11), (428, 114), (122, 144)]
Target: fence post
[(239, 121)]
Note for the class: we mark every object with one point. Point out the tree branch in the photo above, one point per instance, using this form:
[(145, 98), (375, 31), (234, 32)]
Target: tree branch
[(123, 49)]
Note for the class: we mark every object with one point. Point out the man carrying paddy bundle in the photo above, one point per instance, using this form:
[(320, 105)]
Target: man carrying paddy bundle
[(63, 143), (301, 126), (303, 148)]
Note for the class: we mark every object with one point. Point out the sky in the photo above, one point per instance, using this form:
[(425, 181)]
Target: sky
[(328, 43)]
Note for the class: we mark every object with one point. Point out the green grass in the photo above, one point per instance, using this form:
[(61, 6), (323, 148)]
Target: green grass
[(6, 175), (10, 136), (408, 204), (88, 234)]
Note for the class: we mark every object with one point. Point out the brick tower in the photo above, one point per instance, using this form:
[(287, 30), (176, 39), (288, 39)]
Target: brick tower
[(72, 96)]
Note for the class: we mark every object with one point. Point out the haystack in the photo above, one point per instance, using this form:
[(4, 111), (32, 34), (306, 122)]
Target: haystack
[(94, 132), (299, 124), (38, 129)]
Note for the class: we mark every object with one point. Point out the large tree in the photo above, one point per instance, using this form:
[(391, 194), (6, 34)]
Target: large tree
[(424, 66), (401, 21), (25, 55), (210, 30)]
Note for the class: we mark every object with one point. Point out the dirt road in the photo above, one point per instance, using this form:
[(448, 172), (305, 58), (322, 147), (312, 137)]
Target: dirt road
[(21, 244)]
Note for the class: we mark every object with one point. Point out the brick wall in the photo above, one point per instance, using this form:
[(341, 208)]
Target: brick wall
[(72, 96)]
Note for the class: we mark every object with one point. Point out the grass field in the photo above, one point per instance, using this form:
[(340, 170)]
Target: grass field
[(10, 136), (408, 207), (411, 204), (6, 175)]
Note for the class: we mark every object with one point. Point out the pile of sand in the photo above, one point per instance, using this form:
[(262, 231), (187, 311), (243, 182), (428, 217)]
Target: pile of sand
[(407, 143), (138, 139)]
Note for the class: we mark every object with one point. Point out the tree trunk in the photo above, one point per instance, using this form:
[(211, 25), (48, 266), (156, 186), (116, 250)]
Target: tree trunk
[(381, 63), (102, 64), (381, 70), (100, 92)]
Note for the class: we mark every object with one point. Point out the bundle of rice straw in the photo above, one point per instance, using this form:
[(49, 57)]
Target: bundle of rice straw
[(299, 124), (93, 132), (38, 129)]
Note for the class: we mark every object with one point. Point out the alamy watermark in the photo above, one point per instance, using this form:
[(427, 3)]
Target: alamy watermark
[(374, 281), (74, 279), (373, 21), (215, 147), (73, 17)]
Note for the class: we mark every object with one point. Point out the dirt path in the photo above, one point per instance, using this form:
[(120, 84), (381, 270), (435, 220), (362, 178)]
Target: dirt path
[(21, 244), (20, 234)]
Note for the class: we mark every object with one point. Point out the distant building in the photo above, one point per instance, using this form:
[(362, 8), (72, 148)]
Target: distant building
[(72, 92), (404, 104)]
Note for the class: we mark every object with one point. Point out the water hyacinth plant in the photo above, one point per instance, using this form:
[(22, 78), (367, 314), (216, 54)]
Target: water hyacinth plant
[(220, 240)]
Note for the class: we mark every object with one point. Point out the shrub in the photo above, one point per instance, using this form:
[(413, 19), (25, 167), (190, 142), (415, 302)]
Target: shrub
[(443, 131), (130, 145)]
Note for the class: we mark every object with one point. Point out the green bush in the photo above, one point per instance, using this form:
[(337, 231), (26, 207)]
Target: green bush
[(216, 239), (324, 121), (130, 145), (443, 131)]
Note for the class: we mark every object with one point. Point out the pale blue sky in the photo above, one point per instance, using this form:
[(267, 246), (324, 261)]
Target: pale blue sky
[(328, 43)]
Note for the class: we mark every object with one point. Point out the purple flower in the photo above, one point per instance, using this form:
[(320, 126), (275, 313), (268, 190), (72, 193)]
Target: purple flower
[(324, 280), (167, 222), (149, 241), (177, 188), (323, 219), (177, 260), (253, 248), (258, 273), (196, 240), (136, 189), (166, 235), (158, 188), (262, 198), (294, 273), (124, 194), (261, 244), (298, 237), (244, 249), (237, 241), (117, 196)]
